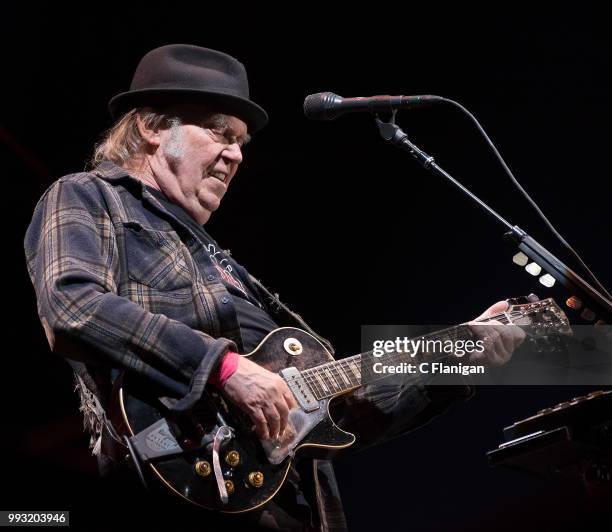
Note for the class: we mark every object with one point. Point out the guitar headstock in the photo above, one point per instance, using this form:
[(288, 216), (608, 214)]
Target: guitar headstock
[(542, 318)]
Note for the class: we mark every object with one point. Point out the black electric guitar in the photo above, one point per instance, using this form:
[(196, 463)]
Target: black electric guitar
[(213, 459)]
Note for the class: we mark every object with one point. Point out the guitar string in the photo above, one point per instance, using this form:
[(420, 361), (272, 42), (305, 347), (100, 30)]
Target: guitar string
[(335, 363), (310, 374)]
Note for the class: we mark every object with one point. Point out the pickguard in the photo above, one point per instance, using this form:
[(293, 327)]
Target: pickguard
[(300, 424)]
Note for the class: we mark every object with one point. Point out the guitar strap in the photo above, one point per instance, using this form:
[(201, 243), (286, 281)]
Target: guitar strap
[(157, 441)]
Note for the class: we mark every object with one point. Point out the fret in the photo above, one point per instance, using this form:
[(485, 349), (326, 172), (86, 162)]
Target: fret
[(321, 382), (317, 391), (337, 373), (340, 374), (324, 375), (348, 373), (343, 375), (354, 367), (332, 380)]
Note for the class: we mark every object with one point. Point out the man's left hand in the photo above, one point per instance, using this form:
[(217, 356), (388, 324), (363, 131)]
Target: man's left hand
[(500, 340)]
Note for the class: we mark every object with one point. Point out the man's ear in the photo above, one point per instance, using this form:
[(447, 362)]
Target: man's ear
[(150, 136)]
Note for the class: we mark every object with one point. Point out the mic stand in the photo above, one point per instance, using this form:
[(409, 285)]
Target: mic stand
[(591, 298)]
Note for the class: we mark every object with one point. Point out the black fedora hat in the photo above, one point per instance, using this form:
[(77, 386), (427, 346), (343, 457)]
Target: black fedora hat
[(183, 73)]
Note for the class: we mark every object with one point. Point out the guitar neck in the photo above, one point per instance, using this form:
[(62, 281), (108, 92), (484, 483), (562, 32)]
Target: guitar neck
[(340, 376)]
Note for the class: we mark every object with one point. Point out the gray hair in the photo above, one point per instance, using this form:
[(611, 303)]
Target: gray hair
[(122, 142)]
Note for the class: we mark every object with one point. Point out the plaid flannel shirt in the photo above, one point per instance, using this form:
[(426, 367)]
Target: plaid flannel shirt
[(118, 286)]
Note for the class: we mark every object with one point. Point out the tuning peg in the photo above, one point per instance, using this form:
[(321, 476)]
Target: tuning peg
[(533, 268), (522, 300), (574, 303), (520, 258), (587, 314), (547, 280)]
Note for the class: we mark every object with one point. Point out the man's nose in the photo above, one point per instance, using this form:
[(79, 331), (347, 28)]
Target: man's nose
[(233, 153)]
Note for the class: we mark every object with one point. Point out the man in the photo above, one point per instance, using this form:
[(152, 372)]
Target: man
[(127, 278)]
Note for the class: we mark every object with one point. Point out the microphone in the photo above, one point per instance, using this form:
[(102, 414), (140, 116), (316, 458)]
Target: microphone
[(327, 105)]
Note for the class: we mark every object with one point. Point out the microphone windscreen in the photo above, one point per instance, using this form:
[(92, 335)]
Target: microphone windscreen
[(317, 105)]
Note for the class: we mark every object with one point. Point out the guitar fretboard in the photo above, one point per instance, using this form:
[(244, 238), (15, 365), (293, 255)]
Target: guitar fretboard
[(339, 376)]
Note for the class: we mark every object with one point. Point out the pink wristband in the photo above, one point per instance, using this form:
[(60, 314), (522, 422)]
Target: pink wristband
[(227, 368)]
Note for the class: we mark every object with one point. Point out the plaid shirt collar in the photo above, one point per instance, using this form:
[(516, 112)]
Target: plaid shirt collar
[(113, 173)]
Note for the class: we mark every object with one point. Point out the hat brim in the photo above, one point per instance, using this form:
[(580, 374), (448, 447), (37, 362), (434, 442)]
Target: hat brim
[(252, 114)]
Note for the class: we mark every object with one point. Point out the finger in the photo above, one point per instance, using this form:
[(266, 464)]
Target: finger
[(499, 354), (496, 353), (478, 358), (289, 398), (507, 338), (482, 330), (283, 411), (273, 420), (261, 426), (493, 351), (511, 336), (497, 308), (519, 335)]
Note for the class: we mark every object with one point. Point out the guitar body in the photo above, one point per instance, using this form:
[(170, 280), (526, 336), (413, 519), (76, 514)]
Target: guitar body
[(314, 431), (180, 452)]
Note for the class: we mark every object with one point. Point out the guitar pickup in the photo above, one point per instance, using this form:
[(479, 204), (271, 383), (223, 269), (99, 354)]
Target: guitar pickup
[(300, 389)]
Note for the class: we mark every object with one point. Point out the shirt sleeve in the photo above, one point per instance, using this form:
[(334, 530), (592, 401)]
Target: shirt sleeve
[(73, 262)]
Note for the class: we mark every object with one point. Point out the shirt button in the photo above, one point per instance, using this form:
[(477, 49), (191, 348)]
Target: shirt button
[(210, 277), (225, 300)]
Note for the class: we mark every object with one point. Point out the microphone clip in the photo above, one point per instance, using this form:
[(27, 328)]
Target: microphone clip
[(394, 134), (388, 130)]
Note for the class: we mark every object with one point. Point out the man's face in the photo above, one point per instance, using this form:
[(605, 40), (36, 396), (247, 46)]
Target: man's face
[(198, 159)]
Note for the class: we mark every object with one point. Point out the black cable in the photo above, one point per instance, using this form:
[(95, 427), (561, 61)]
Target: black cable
[(524, 192), (136, 462)]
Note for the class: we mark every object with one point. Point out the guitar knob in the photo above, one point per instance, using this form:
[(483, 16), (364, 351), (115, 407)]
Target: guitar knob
[(574, 303), (256, 479), (202, 468), (293, 346), (232, 458), (229, 486)]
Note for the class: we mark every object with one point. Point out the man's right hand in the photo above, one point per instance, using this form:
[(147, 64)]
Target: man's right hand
[(263, 395)]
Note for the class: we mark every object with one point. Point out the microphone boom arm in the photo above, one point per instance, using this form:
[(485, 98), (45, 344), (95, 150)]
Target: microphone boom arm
[(593, 299)]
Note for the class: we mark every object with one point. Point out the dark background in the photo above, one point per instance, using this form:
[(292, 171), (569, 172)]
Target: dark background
[(348, 230)]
